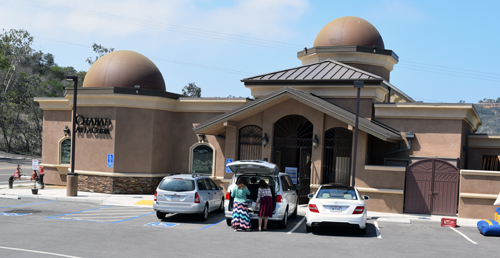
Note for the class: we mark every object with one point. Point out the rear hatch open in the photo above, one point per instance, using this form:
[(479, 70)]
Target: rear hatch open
[(255, 167)]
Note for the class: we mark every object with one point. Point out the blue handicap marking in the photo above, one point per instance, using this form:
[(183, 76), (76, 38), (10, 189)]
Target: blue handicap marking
[(14, 214), (228, 170), (161, 224), (110, 160)]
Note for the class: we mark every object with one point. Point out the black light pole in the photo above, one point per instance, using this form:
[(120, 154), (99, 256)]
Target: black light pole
[(358, 85), (72, 178)]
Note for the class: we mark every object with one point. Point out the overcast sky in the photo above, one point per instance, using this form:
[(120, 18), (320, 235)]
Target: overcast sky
[(448, 50)]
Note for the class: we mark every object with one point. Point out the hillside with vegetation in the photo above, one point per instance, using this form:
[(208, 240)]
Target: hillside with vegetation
[(26, 73), (490, 117)]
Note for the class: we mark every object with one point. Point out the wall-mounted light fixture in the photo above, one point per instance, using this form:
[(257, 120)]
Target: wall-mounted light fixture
[(137, 87), (67, 132), (265, 140), (315, 141), (201, 137)]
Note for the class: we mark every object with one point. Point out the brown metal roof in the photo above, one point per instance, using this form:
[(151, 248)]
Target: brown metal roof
[(374, 128), (322, 71)]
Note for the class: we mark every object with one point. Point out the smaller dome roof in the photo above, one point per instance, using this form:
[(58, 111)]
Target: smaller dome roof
[(124, 69), (349, 31)]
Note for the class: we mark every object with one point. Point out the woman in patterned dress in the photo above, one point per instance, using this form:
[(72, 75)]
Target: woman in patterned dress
[(240, 219), (265, 199)]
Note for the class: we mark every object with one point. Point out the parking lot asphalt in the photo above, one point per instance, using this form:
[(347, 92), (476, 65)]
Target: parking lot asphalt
[(22, 189)]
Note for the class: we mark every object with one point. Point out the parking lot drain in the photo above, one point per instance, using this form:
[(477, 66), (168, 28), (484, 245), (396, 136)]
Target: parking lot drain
[(161, 224)]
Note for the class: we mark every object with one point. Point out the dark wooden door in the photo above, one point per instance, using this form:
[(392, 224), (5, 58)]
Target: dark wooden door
[(431, 187)]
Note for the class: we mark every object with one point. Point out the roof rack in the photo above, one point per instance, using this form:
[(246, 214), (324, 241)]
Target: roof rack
[(197, 175)]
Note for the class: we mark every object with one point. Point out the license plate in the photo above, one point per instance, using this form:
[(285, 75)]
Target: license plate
[(175, 198), (336, 209)]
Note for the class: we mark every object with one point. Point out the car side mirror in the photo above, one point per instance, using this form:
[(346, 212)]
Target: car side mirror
[(366, 197), (297, 187), (310, 195), (220, 188)]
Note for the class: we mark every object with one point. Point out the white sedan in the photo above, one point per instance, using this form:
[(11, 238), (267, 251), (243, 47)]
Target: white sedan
[(337, 206)]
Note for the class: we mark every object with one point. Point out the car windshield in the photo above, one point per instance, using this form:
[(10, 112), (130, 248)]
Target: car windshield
[(337, 193), (177, 184)]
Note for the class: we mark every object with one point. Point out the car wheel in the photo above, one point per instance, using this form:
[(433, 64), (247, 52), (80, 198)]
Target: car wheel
[(160, 215), (294, 214), (284, 221), (228, 222), (204, 214), (362, 231), (221, 208), (309, 229)]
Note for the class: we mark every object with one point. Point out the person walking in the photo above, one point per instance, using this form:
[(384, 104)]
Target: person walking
[(241, 219), (264, 197)]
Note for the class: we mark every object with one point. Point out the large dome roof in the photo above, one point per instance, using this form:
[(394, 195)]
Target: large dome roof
[(124, 69), (349, 31)]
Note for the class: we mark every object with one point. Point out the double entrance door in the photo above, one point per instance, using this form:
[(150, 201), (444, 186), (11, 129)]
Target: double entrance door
[(431, 187)]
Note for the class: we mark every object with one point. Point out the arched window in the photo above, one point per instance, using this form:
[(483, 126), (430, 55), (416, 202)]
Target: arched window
[(202, 160), (250, 143), (65, 151)]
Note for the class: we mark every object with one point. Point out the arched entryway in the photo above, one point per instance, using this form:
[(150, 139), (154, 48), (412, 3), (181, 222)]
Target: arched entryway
[(431, 187), (292, 146), (337, 156)]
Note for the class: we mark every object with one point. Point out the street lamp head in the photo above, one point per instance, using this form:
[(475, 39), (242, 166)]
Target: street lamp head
[(71, 78), (359, 84)]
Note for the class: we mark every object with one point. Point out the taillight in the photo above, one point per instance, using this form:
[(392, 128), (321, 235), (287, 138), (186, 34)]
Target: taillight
[(196, 198), (313, 208), (228, 195), (155, 194), (279, 198), (358, 210)]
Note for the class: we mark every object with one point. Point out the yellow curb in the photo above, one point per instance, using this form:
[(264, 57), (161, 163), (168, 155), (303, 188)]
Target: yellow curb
[(144, 202)]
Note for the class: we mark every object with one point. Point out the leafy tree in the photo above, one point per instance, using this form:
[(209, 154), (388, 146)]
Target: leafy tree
[(100, 50), (24, 75), (191, 90), (498, 100)]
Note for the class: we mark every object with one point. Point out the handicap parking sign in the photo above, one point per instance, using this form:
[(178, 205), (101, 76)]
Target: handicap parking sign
[(228, 170), (110, 160)]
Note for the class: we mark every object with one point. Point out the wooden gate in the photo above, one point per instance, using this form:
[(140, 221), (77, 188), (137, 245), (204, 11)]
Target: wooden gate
[(431, 187)]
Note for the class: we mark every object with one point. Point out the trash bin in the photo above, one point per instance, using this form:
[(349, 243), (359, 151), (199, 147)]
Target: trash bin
[(11, 182), (40, 181)]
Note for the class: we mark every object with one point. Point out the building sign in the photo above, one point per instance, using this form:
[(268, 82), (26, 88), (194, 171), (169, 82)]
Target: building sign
[(292, 172), (92, 125)]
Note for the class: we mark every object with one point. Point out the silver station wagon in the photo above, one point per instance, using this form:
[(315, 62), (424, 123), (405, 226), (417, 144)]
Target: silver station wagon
[(188, 194), (285, 197)]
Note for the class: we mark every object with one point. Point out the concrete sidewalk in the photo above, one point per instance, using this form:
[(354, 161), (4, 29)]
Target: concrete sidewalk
[(146, 200)]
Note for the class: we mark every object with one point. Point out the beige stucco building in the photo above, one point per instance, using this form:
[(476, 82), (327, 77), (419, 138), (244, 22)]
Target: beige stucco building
[(410, 156)]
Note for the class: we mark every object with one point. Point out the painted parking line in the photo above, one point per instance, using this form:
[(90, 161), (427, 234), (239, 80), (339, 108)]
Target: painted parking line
[(38, 252), (108, 214), (377, 229), (161, 224), (26, 204), (462, 234), (212, 224), (13, 214), (296, 226)]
